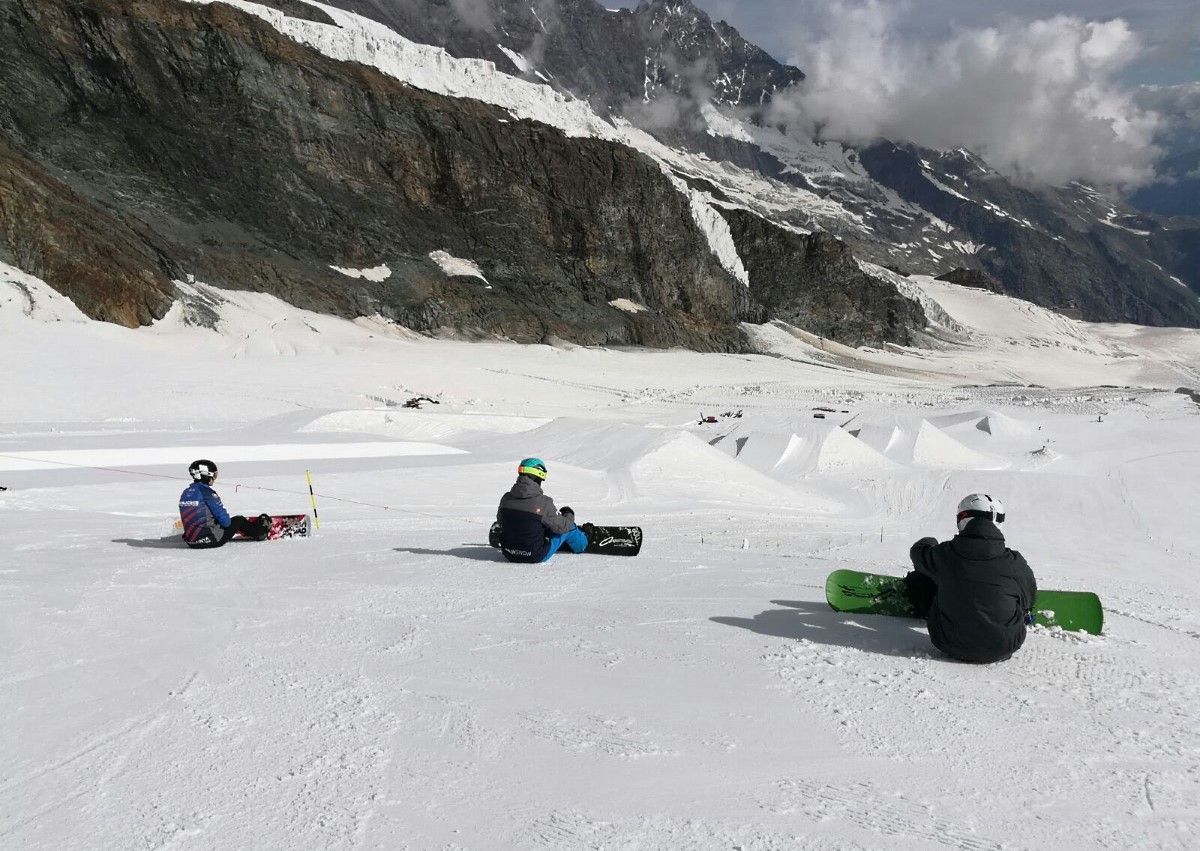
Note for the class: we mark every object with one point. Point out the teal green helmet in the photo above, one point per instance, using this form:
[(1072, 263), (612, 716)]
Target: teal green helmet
[(535, 467)]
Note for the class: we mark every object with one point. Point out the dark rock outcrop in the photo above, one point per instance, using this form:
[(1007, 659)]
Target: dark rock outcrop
[(814, 282), (197, 139), (105, 266), (658, 63)]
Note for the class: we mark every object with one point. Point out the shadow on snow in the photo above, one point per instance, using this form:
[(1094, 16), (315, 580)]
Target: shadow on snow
[(818, 624), (171, 542), (479, 552)]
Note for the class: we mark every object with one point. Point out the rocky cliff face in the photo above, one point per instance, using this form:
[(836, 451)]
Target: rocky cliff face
[(153, 140), (107, 267), (813, 281), (919, 211), (156, 139)]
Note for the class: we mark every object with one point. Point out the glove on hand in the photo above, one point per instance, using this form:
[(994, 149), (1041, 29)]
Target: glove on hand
[(1030, 618)]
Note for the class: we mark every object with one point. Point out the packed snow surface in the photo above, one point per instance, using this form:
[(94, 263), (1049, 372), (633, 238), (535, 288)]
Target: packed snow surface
[(392, 683)]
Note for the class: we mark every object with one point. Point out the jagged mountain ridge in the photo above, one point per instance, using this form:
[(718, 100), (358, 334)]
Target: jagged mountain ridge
[(614, 58), (929, 211), (761, 209), (247, 159)]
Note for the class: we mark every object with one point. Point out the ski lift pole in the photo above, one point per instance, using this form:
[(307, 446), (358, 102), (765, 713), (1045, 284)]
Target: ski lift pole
[(313, 497)]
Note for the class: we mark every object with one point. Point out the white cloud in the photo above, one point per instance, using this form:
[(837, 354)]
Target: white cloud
[(1036, 98)]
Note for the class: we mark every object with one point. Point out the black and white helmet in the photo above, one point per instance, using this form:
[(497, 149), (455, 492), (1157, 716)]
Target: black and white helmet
[(979, 505), (203, 471)]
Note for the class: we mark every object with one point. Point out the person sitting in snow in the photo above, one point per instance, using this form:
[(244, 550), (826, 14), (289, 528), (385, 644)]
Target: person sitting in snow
[(528, 527), (206, 523), (975, 592)]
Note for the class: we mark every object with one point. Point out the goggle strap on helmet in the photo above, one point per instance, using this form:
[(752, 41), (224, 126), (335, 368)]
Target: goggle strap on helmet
[(990, 515), (203, 470)]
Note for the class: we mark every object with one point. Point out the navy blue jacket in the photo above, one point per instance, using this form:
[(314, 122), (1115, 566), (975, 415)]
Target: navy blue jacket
[(526, 515), (202, 513)]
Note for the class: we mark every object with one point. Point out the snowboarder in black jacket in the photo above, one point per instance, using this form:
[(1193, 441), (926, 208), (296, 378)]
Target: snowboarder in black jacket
[(528, 527), (976, 593)]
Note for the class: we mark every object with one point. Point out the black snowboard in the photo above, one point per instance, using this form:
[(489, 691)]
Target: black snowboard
[(614, 540), (603, 540)]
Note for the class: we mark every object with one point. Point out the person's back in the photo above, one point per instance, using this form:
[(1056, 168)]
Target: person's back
[(202, 514), (528, 518), (206, 523), (523, 537), (981, 592)]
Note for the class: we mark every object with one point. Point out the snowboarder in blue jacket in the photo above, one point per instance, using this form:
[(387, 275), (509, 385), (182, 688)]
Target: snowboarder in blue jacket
[(206, 523), (531, 529)]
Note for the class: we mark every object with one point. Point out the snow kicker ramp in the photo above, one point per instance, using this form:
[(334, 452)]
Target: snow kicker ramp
[(646, 462), (786, 456), (919, 442), (986, 423)]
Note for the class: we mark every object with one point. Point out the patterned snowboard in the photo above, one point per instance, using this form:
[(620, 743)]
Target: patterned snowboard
[(288, 526), (282, 526), (604, 540), (874, 594)]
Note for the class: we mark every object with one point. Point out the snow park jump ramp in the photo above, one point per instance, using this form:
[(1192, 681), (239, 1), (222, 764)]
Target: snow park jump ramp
[(918, 442), (808, 450), (646, 462)]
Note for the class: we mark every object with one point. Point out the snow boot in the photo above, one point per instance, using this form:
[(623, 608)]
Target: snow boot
[(262, 527)]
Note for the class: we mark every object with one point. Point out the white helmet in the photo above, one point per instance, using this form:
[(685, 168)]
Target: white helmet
[(979, 505)]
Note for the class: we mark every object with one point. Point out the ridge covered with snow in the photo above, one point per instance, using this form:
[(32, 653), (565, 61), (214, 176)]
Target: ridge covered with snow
[(359, 688)]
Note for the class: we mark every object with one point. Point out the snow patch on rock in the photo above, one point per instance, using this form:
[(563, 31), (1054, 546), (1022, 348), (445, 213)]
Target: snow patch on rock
[(457, 266)]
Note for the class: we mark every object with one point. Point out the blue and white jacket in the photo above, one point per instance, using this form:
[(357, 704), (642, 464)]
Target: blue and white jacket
[(202, 513)]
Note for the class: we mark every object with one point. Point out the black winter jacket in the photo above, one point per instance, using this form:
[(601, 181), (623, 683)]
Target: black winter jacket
[(525, 515), (984, 591)]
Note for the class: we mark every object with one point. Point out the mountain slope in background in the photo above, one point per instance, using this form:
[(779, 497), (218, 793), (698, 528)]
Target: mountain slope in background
[(256, 151), (240, 157)]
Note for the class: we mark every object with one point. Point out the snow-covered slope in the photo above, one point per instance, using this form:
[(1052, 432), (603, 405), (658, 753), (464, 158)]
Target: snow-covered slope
[(393, 683), (999, 339)]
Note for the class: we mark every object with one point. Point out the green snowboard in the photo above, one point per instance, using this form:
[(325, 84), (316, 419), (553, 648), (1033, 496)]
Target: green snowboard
[(874, 594)]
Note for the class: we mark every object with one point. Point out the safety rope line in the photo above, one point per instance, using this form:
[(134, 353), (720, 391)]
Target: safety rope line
[(238, 486)]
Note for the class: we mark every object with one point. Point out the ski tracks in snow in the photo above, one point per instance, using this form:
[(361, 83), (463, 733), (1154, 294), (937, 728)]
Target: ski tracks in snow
[(1055, 726)]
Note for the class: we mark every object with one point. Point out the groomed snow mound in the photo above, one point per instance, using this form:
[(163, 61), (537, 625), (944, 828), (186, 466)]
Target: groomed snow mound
[(786, 456), (682, 463), (919, 442), (934, 448), (842, 453), (990, 423), (655, 463)]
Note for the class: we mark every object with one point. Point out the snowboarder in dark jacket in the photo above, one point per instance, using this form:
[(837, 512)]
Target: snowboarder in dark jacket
[(206, 523), (976, 593), (531, 529)]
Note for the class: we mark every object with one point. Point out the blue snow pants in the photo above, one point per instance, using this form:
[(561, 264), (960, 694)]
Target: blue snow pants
[(574, 540)]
